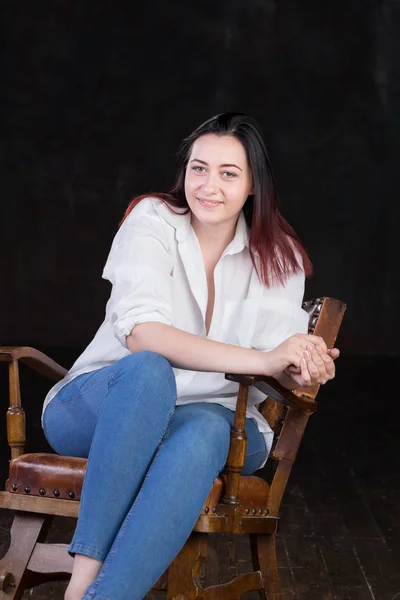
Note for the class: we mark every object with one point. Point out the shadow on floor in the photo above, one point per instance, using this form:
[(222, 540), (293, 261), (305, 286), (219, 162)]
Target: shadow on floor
[(339, 535)]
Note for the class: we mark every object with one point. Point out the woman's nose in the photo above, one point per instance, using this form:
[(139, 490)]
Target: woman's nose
[(209, 185)]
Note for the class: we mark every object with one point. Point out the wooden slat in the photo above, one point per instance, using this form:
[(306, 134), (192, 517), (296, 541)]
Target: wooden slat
[(333, 544), (34, 504), (233, 589), (51, 558), (25, 531)]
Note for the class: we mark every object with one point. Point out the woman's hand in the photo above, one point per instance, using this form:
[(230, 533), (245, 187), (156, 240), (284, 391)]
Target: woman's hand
[(304, 358), (316, 367)]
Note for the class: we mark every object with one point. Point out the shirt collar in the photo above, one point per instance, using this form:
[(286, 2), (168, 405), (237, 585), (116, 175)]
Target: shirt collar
[(241, 239), (181, 222), (178, 219)]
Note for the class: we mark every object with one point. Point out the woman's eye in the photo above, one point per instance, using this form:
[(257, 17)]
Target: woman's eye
[(198, 169), (229, 174)]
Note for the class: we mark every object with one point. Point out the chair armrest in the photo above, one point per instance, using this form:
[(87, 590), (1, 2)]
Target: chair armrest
[(272, 388), (35, 359)]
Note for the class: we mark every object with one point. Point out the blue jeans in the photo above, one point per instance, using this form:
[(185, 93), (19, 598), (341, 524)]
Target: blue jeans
[(150, 467)]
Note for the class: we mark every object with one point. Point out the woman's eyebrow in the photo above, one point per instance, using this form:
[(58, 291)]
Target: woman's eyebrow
[(203, 162)]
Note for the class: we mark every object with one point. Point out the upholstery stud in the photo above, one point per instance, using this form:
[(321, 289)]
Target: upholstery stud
[(56, 493), (42, 492), (14, 487), (71, 495), (27, 490), (206, 510)]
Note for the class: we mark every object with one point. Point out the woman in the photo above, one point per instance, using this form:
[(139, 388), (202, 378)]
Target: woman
[(206, 280)]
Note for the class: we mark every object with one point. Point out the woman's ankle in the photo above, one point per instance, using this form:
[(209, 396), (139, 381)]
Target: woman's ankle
[(84, 572)]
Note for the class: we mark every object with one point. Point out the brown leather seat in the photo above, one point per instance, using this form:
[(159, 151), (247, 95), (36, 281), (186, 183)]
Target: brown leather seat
[(54, 476), (41, 486)]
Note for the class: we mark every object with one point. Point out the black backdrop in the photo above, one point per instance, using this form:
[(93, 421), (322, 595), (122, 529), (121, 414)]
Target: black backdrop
[(96, 98)]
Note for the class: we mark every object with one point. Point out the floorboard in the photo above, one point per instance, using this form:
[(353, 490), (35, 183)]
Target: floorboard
[(339, 534)]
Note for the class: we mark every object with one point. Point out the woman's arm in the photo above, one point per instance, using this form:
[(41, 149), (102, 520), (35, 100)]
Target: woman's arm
[(285, 319), (193, 352)]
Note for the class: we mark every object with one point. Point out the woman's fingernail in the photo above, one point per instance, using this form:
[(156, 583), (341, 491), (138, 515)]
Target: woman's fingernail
[(309, 347), (318, 348)]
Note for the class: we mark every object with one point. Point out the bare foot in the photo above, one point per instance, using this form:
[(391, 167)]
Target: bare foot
[(84, 572)]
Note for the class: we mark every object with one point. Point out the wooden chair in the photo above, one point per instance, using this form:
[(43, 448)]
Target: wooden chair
[(43, 485)]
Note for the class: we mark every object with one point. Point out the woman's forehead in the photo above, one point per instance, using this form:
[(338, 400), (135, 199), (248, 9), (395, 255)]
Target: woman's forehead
[(219, 149)]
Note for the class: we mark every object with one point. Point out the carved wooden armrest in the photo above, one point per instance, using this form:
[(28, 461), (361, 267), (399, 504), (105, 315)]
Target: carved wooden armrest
[(237, 449), (35, 359), (325, 317), (16, 428), (272, 388)]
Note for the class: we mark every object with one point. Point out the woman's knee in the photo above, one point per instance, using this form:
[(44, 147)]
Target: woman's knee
[(207, 436), (149, 373)]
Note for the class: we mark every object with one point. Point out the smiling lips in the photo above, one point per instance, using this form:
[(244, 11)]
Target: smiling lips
[(208, 203)]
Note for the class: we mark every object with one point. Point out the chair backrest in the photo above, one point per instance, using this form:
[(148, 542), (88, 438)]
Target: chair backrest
[(325, 318), (289, 422)]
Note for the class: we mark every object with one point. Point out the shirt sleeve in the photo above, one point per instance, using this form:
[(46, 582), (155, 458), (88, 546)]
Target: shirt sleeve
[(281, 314), (139, 267)]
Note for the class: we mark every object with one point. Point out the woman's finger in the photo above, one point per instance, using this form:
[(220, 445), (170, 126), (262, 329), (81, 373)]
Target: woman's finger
[(329, 365), (316, 367), (334, 353), (329, 368), (312, 369), (305, 372), (316, 340)]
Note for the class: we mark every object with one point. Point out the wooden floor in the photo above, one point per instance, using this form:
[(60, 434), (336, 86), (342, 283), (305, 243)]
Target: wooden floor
[(339, 535)]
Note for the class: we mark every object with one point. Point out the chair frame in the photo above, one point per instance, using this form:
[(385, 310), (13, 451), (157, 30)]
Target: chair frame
[(29, 561)]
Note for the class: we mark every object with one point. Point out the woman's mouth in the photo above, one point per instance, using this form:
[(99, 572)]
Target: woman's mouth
[(208, 203)]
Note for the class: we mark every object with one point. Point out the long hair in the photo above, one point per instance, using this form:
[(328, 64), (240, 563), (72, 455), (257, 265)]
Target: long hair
[(279, 250)]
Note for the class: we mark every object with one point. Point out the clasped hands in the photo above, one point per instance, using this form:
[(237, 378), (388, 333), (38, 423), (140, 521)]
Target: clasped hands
[(308, 360)]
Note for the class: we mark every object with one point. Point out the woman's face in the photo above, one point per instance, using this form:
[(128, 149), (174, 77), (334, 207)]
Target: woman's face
[(218, 179)]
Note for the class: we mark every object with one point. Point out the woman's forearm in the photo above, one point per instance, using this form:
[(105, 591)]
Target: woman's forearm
[(196, 353)]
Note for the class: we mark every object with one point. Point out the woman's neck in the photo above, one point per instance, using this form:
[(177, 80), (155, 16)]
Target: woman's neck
[(213, 239)]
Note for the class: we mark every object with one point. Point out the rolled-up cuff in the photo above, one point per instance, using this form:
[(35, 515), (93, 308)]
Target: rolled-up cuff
[(87, 551), (125, 325)]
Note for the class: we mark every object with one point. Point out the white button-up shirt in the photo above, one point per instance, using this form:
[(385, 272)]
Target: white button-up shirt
[(157, 272)]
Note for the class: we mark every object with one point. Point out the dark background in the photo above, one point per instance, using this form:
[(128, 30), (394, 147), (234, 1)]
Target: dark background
[(96, 98), (94, 101)]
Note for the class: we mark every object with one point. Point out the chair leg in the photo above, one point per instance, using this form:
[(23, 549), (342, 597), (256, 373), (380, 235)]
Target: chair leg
[(26, 530), (185, 572), (263, 551)]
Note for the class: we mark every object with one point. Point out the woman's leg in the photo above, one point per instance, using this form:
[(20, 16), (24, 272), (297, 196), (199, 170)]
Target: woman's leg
[(128, 406), (192, 453)]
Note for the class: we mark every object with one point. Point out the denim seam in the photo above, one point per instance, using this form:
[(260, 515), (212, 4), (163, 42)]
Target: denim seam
[(256, 452), (84, 479), (115, 545), (94, 553), (54, 402), (264, 448)]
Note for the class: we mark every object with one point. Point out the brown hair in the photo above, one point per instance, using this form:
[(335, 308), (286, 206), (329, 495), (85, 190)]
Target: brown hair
[(270, 235)]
